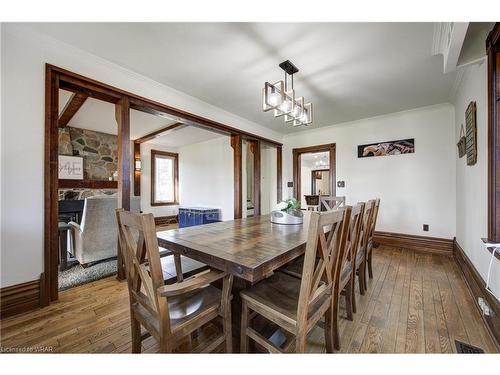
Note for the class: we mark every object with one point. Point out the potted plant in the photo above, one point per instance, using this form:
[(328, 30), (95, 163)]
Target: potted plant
[(288, 212)]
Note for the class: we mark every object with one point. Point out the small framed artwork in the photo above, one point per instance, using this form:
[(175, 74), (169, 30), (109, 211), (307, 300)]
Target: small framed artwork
[(471, 134), (70, 167), (403, 146)]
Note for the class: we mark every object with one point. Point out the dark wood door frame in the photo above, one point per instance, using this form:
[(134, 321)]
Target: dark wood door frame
[(58, 78), (313, 179), (255, 149), (297, 152), (493, 50)]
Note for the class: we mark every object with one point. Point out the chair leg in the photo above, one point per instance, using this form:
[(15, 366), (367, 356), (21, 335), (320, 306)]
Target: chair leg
[(369, 261), (227, 330), (165, 345), (244, 325), (178, 267), (300, 342), (136, 335), (335, 322), (362, 278), (348, 300), (353, 290), (329, 331)]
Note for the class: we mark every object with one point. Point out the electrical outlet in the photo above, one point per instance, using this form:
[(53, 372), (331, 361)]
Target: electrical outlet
[(426, 227), (484, 306)]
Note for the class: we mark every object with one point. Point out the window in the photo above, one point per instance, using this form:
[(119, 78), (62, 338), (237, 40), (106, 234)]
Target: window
[(164, 178)]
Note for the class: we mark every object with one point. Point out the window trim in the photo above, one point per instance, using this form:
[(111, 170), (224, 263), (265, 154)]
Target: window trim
[(175, 156)]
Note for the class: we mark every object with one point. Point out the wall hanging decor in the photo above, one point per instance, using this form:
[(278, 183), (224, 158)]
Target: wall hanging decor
[(461, 142), (403, 146), (471, 134), (70, 167)]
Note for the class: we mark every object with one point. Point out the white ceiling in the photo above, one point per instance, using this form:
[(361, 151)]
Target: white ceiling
[(348, 71), (99, 116)]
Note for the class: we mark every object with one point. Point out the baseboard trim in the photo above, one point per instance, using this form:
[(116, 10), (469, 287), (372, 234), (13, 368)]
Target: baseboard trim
[(477, 288), (432, 245), (20, 298)]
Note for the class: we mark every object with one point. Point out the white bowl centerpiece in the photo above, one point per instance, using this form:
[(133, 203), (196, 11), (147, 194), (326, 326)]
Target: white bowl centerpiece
[(288, 212)]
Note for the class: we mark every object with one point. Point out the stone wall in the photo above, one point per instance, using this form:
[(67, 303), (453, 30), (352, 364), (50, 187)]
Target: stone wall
[(99, 151)]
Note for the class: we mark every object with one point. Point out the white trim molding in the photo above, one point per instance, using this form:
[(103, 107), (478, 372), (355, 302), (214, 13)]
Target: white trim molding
[(447, 41)]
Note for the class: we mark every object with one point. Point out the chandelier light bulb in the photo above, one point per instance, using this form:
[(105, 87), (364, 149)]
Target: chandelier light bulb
[(274, 98)]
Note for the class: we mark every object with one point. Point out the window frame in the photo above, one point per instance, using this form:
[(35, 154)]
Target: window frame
[(175, 157)]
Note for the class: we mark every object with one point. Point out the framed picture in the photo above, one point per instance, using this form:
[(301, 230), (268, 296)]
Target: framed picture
[(471, 134), (403, 146), (70, 167)]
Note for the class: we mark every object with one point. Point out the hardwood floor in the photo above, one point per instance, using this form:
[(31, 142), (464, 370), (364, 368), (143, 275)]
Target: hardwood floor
[(416, 303)]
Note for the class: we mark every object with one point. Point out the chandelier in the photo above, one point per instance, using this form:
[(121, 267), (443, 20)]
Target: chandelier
[(280, 97)]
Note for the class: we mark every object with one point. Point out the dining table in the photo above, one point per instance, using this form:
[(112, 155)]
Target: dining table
[(250, 249)]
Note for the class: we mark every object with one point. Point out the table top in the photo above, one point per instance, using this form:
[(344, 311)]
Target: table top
[(248, 248)]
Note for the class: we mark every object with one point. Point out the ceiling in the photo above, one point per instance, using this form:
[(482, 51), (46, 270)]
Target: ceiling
[(99, 116), (348, 71)]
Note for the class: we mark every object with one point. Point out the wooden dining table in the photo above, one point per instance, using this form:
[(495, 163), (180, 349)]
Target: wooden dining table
[(250, 248)]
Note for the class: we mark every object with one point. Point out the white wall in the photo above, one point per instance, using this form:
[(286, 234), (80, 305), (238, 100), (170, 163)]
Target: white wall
[(415, 189), (305, 182), (24, 55), (206, 175), (471, 181)]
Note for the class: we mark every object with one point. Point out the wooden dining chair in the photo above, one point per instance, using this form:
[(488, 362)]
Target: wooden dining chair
[(369, 245), (294, 304), (331, 202), (360, 263), (343, 272), (169, 313)]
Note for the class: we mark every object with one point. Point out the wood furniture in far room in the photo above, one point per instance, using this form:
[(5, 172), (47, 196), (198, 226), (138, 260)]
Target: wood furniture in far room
[(329, 203), (312, 202), (296, 305), (369, 245), (169, 313)]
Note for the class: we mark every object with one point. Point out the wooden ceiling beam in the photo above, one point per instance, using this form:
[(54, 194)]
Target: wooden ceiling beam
[(160, 132), (71, 107)]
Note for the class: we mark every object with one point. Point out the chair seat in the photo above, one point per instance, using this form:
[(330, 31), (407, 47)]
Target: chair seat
[(185, 308), (280, 293)]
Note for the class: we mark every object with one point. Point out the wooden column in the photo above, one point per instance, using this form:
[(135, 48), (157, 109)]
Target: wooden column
[(236, 144), (255, 149), (51, 211), (122, 112), (279, 172), (137, 174), (493, 50)]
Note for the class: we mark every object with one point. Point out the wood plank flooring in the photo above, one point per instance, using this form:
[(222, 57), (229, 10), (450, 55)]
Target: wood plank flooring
[(415, 303)]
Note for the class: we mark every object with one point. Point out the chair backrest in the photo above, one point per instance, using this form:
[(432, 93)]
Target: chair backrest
[(373, 221), (325, 245), (331, 202), (138, 243), (366, 224), (354, 233)]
